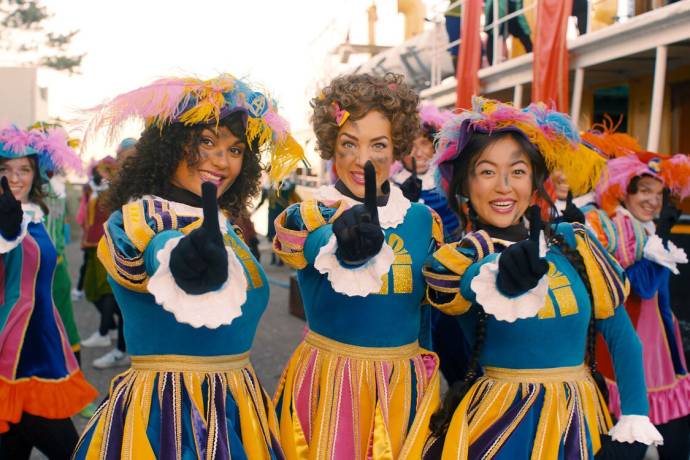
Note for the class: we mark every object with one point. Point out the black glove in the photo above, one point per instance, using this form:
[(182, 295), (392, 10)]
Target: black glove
[(614, 450), (11, 213), (412, 187), (572, 213), (667, 218), (199, 263), (520, 268), (357, 230)]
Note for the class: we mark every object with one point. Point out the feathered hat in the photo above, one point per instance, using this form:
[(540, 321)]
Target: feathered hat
[(18, 143), (57, 147), (432, 119), (192, 101), (552, 133), (673, 171), (604, 138)]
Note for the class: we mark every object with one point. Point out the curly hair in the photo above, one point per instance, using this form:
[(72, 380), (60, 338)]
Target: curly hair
[(359, 94), (158, 153)]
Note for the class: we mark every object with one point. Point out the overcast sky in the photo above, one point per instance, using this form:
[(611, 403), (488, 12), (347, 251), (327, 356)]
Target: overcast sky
[(283, 45)]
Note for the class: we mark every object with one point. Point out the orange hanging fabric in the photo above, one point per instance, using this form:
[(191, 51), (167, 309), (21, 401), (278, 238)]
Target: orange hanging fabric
[(550, 77), (470, 54)]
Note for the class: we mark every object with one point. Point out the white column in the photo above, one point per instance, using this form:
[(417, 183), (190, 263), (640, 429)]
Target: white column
[(657, 98), (497, 55), (578, 85), (517, 95)]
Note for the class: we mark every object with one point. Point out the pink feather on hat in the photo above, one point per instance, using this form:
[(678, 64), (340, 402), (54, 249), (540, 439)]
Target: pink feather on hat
[(15, 139), (55, 142)]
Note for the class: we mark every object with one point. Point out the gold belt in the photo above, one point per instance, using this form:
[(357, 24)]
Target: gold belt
[(354, 351), (553, 374), (185, 363)]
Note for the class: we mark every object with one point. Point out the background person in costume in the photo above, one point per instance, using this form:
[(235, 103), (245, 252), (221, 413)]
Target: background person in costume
[(632, 193), (41, 385), (359, 385), (279, 197), (190, 290), (529, 301), (96, 286), (418, 182), (53, 141)]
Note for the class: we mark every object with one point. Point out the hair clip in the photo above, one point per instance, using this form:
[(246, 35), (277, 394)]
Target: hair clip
[(341, 115)]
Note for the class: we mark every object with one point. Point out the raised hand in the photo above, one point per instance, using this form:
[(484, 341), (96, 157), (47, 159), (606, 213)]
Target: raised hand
[(667, 218), (519, 267), (199, 263), (11, 213), (572, 213), (357, 230), (412, 187)]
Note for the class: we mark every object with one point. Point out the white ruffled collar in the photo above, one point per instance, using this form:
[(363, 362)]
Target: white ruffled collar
[(391, 214), (579, 201), (182, 209), (649, 227), (33, 212), (428, 180)]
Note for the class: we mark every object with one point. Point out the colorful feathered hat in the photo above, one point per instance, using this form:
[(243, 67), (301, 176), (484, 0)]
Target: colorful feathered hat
[(673, 171), (432, 119), (18, 143), (193, 101), (57, 147), (605, 138), (552, 133)]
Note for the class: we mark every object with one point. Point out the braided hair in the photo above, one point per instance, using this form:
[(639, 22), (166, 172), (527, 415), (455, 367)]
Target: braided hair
[(575, 259)]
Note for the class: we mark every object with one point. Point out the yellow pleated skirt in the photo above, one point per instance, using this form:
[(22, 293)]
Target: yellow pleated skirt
[(340, 401), (183, 406)]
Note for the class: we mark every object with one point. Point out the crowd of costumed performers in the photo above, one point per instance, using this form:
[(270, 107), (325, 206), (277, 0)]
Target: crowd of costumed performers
[(359, 385), (41, 384), (633, 220), (95, 284), (175, 261), (530, 298), (525, 262)]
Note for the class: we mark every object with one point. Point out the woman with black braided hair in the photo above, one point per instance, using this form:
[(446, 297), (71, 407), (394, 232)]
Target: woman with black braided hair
[(523, 297)]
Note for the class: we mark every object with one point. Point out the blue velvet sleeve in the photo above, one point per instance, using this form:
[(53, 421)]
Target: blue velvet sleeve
[(646, 277), (315, 241), (626, 352), (155, 245)]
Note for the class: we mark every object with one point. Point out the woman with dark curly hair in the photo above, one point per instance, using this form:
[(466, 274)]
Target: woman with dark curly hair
[(41, 385), (359, 385), (530, 299), (190, 291)]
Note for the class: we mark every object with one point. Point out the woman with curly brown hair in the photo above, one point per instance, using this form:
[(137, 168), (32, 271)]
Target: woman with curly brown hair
[(190, 291), (359, 386)]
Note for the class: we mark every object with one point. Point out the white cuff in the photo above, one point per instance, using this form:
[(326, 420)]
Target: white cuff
[(358, 281), (211, 309), (505, 308), (632, 428), (655, 251), (7, 245)]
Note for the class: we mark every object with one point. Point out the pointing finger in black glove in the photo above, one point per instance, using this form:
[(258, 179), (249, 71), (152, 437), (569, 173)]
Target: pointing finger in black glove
[(199, 262), (11, 213), (572, 213), (412, 187), (519, 267), (357, 230)]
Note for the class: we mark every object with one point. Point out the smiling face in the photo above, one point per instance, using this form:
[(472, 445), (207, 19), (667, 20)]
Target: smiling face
[(220, 162), (645, 203), (20, 175), (560, 184), (500, 183), (359, 141), (422, 151)]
